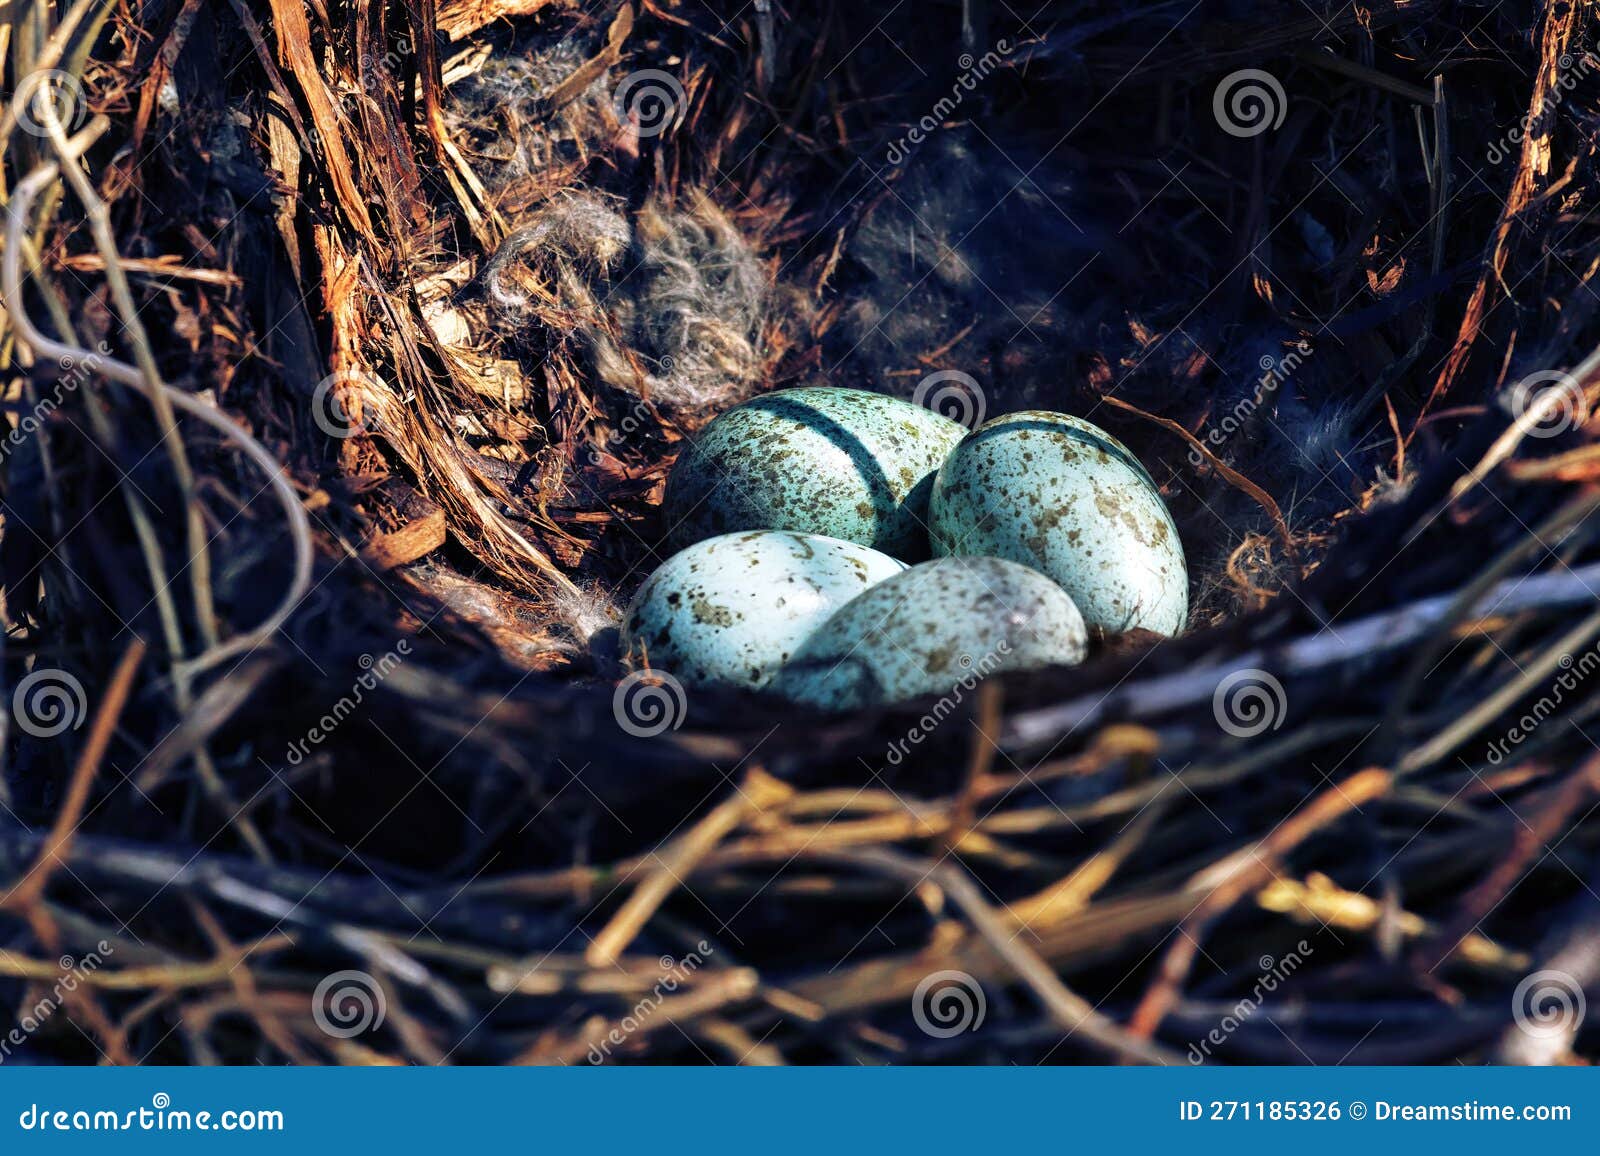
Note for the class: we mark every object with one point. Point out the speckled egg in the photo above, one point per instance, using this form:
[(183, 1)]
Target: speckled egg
[(731, 609), (1063, 496), (840, 462), (939, 625)]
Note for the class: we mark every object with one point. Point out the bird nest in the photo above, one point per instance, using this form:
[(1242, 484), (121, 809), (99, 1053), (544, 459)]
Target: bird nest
[(349, 346)]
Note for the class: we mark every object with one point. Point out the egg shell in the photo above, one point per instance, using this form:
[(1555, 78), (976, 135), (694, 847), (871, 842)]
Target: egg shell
[(820, 460), (938, 626), (731, 609), (1061, 495)]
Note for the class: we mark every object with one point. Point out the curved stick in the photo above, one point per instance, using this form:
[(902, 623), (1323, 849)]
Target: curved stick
[(17, 214)]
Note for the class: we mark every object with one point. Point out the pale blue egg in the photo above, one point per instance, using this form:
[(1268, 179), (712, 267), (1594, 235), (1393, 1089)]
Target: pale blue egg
[(840, 462), (733, 608), (1061, 495), (938, 628)]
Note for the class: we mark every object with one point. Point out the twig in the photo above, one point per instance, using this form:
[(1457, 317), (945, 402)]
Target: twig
[(299, 524), (734, 986), (678, 860), (1534, 837), (1071, 1011), (1361, 640), (1483, 713), (57, 846), (1239, 875)]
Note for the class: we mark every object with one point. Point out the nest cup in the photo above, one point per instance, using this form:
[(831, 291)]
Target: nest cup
[(501, 266)]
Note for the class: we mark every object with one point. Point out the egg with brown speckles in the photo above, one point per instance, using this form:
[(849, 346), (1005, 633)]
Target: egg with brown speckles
[(733, 608), (1061, 495), (937, 627), (841, 462)]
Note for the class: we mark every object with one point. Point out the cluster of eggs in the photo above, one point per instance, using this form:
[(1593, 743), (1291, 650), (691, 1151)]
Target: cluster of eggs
[(795, 516)]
